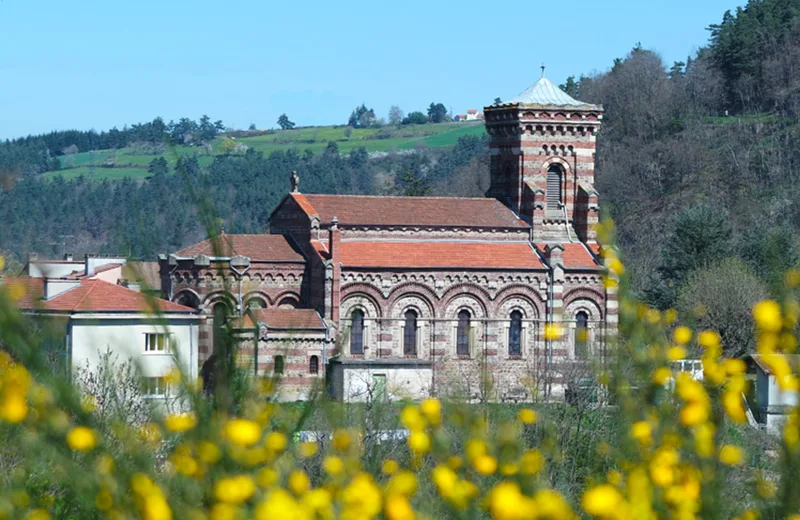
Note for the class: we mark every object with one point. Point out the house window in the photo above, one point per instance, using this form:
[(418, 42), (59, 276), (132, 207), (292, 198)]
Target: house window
[(462, 333), (154, 386), (156, 342), (278, 365), (515, 334), (581, 335), (357, 332), (554, 187), (313, 365), (410, 334)]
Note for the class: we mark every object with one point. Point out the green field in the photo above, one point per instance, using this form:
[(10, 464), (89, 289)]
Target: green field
[(129, 162)]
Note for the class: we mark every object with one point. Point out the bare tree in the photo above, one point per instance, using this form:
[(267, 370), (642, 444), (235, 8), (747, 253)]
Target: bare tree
[(395, 115)]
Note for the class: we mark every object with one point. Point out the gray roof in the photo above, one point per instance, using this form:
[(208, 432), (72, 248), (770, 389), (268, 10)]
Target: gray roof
[(543, 92)]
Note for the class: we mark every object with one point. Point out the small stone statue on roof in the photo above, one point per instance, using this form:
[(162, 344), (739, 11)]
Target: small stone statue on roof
[(295, 180)]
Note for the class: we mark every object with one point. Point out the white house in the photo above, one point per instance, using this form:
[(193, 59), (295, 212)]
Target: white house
[(98, 316), (769, 403)]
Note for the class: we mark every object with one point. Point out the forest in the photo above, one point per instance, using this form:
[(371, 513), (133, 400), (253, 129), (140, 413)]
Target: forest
[(697, 164)]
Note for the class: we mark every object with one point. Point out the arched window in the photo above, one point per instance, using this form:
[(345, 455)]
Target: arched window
[(462, 333), (278, 364), (357, 332), (410, 334), (581, 335), (515, 334), (220, 334), (554, 195), (313, 365)]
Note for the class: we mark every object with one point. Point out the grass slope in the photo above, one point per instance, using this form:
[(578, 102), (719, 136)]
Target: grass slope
[(130, 162)]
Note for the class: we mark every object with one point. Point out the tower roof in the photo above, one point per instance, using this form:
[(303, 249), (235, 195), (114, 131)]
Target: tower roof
[(544, 93)]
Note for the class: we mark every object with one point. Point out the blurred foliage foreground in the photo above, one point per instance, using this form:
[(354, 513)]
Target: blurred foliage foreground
[(668, 447)]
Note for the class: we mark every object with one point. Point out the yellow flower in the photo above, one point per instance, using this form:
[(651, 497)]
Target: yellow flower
[(242, 432), (37, 514), (603, 500), (280, 504), (734, 407), (308, 449), (223, 511), (767, 314), (475, 448), (734, 366), (675, 353), (661, 375), (445, 479), (319, 500), (552, 505), (403, 483), (662, 466), (709, 339), (419, 442), (485, 464), (389, 467), (432, 410), (81, 438), (298, 482), (275, 442), (670, 315), (506, 502), (616, 266), (103, 500), (682, 335), (642, 432), (266, 477), (14, 408), (341, 439), (704, 440), (412, 418), (333, 465), (527, 416), (532, 462), (552, 331), (208, 452), (180, 422), (234, 490), (731, 455), (361, 499), (398, 508), (693, 414)]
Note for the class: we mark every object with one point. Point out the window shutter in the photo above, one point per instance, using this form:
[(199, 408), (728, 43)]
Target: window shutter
[(553, 187)]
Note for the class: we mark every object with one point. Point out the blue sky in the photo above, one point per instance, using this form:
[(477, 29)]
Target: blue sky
[(100, 63)]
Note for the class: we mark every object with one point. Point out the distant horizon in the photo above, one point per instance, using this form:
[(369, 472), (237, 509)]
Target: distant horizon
[(85, 70)]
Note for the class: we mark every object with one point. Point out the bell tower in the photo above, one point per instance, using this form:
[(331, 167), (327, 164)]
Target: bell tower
[(542, 145)]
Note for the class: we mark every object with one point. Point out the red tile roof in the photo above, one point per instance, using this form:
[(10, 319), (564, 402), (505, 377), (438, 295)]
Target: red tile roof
[(576, 255), (302, 201), (289, 318), (265, 247), (440, 254), (412, 211), (90, 296)]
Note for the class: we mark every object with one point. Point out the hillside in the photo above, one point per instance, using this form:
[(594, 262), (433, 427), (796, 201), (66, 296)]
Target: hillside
[(133, 161)]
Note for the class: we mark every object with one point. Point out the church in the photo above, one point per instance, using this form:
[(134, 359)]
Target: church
[(379, 297)]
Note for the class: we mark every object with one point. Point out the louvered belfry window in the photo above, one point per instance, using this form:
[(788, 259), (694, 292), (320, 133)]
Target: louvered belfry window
[(554, 187)]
